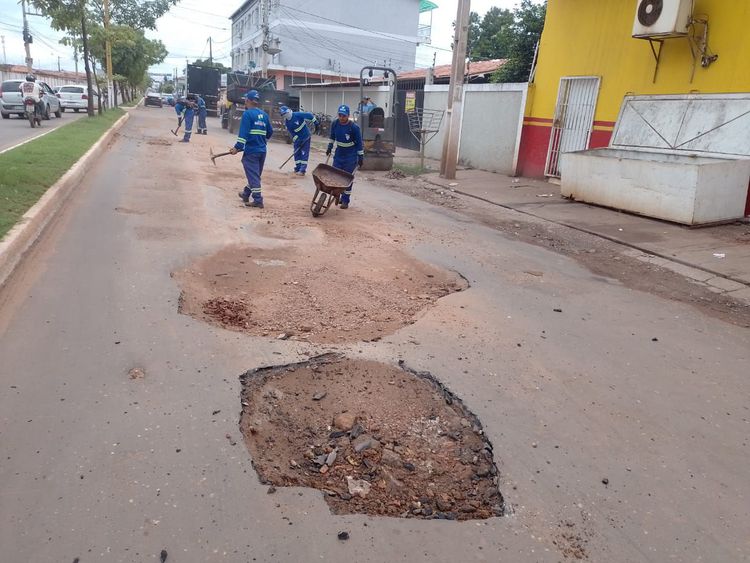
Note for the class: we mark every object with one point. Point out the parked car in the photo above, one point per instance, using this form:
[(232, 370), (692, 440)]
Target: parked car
[(74, 96), (154, 99), (11, 100)]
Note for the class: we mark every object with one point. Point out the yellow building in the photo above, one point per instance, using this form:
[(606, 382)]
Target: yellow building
[(589, 60)]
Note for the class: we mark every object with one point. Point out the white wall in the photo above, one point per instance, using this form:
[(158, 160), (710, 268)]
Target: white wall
[(51, 79), (327, 100), (490, 125)]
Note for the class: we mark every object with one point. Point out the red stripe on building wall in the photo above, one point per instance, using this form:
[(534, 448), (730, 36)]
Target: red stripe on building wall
[(532, 155), (747, 205), (537, 119), (604, 123)]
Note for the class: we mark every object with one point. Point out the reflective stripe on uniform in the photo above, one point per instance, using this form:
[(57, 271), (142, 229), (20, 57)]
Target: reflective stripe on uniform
[(301, 127), (257, 131), (361, 153), (295, 137), (241, 140), (344, 145)]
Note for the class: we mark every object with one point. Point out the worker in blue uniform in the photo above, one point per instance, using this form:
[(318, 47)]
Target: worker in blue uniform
[(255, 130), (347, 137), (202, 112), (185, 108), (296, 124)]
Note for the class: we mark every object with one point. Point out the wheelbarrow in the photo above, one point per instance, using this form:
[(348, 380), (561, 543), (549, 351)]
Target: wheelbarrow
[(330, 183)]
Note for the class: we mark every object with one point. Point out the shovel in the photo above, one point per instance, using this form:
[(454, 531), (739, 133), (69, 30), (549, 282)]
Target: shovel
[(179, 124), (290, 158)]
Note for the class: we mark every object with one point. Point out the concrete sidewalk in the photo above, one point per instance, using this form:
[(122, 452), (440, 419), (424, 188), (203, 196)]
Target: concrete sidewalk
[(718, 256)]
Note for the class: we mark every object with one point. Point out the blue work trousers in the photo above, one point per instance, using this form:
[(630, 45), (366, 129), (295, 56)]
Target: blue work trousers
[(188, 123), (301, 155), (253, 165), (202, 112), (347, 165)]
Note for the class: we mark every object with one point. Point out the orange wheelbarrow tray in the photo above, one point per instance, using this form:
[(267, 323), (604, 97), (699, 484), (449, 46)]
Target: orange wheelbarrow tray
[(330, 183)]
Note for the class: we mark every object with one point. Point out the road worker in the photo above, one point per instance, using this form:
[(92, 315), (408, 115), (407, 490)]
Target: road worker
[(347, 137), (296, 124), (185, 108), (202, 112), (255, 130)]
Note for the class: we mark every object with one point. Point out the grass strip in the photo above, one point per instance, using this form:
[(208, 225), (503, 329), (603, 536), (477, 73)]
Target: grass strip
[(26, 172)]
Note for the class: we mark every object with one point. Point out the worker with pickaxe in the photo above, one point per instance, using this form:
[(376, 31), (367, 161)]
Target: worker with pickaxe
[(186, 110), (296, 124), (255, 130)]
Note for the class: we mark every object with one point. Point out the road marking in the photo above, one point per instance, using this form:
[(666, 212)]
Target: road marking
[(29, 140)]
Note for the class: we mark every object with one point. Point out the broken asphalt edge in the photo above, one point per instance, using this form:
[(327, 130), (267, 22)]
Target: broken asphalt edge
[(19, 241), (613, 239)]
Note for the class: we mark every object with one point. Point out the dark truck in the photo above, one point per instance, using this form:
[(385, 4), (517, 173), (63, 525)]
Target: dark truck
[(238, 84), (205, 81)]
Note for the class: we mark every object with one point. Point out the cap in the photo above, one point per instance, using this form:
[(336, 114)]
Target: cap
[(252, 95), (343, 110), (283, 110)]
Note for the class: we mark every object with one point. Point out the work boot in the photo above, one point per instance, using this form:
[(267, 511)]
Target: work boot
[(258, 204), (299, 174), (344, 205), (244, 198), (183, 141)]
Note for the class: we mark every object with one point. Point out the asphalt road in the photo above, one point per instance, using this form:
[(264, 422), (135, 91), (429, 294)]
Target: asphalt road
[(15, 130), (621, 419)]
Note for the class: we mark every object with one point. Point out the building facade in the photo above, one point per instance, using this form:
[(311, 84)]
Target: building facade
[(588, 56), (307, 43)]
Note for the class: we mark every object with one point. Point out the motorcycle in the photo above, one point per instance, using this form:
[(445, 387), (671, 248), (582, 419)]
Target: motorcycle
[(32, 112)]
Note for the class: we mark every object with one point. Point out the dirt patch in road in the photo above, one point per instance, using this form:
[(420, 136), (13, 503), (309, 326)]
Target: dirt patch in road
[(320, 294), (375, 438)]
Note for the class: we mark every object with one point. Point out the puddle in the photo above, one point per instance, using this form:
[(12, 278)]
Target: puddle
[(376, 439)]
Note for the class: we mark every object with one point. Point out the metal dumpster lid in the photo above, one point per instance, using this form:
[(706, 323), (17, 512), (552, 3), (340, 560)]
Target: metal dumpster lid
[(701, 124)]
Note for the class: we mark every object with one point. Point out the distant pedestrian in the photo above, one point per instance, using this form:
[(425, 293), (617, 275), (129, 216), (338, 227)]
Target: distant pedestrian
[(255, 130), (202, 112), (296, 124), (347, 137), (366, 105)]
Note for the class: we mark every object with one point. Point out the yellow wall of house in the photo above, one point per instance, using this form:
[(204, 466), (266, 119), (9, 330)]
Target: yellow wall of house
[(593, 38)]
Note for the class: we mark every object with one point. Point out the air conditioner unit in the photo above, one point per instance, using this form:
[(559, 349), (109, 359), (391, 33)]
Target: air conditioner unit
[(662, 18)]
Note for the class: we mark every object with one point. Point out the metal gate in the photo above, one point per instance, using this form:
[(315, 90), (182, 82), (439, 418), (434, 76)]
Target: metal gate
[(574, 119), (415, 88)]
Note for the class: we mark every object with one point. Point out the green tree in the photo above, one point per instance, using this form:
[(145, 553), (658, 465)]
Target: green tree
[(212, 64), (71, 16), (528, 22), (167, 88), (132, 53), (491, 37)]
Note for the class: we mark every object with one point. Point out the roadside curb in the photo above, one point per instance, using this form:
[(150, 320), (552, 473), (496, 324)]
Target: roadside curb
[(693, 272), (23, 236)]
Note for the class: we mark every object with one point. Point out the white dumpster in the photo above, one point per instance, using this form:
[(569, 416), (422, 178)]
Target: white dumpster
[(678, 158)]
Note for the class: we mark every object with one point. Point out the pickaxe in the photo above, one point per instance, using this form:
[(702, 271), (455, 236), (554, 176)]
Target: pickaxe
[(215, 156), (179, 124)]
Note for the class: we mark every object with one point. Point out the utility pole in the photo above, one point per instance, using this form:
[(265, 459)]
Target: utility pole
[(5, 59), (27, 39), (210, 51), (75, 57), (265, 9), (108, 55), (58, 63), (455, 92)]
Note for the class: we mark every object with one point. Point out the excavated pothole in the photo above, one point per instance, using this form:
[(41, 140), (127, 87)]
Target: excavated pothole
[(323, 294), (376, 439)]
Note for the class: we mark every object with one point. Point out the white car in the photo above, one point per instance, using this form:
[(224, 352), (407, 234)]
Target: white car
[(11, 100), (73, 96)]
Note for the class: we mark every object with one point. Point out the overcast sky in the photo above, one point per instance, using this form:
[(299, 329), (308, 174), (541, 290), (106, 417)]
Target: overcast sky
[(186, 28)]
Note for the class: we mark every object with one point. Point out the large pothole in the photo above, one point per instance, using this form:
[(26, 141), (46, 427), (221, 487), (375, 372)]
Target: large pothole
[(376, 439), (324, 294)]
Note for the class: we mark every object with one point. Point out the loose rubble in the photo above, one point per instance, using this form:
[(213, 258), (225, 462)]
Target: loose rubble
[(386, 441)]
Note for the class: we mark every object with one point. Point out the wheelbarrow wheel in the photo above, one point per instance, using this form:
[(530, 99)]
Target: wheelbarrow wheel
[(317, 209)]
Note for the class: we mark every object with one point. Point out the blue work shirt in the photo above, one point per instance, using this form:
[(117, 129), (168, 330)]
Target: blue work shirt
[(347, 139), (201, 103), (297, 125), (255, 130), (182, 107)]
